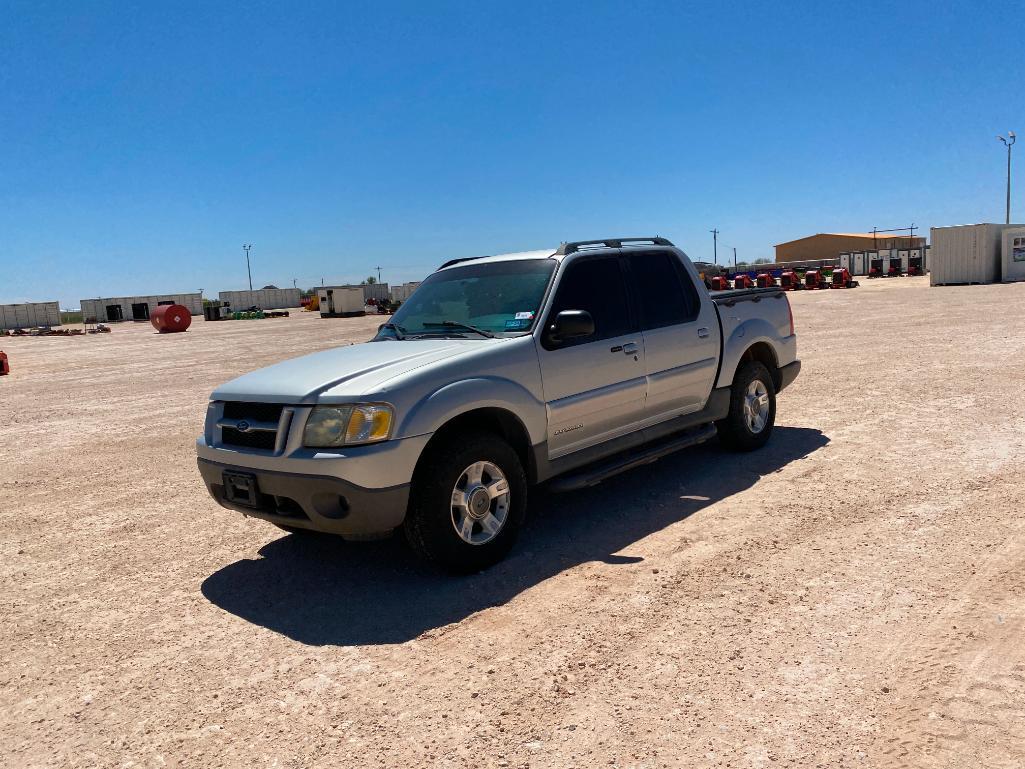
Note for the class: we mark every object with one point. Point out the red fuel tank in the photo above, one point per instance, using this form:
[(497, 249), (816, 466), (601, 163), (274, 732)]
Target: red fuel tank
[(170, 318)]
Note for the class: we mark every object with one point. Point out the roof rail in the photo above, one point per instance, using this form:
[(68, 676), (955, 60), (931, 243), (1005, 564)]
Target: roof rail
[(573, 246), (450, 262)]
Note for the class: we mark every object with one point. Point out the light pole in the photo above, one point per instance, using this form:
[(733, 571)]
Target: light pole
[(715, 247), (1008, 142), (247, 246), (378, 274)]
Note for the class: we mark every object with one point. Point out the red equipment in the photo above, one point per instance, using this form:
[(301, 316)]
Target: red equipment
[(813, 279), (842, 279), (720, 283), (743, 280), (5, 366), (765, 280), (170, 318), (915, 266), (894, 271), (789, 281)]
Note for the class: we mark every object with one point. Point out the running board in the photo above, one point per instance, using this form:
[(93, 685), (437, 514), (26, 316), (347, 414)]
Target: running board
[(596, 473)]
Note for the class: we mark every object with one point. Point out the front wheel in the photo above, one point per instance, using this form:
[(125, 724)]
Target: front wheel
[(752, 414), (467, 503)]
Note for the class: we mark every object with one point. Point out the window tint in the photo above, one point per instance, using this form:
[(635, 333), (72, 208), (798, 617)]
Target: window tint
[(501, 297), (597, 286), (665, 293)]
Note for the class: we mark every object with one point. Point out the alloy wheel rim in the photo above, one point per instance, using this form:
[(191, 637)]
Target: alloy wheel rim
[(480, 503), (756, 406)]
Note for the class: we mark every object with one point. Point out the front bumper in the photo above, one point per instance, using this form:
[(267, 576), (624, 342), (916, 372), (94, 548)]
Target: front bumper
[(316, 502)]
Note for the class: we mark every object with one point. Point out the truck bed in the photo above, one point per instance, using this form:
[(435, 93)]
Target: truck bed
[(734, 295)]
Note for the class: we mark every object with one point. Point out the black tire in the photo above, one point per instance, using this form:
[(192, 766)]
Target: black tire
[(430, 521), (735, 431)]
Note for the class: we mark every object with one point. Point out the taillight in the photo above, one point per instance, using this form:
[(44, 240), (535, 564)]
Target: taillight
[(790, 312)]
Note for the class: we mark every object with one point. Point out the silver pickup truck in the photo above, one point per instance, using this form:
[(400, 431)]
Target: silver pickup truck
[(563, 366)]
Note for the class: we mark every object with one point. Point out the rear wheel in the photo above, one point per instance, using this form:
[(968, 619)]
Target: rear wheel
[(468, 501), (752, 409)]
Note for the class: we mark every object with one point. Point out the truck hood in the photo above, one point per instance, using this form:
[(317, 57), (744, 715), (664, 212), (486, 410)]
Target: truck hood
[(346, 371)]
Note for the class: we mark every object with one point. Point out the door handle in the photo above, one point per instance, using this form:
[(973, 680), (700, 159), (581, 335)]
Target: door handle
[(630, 348), (702, 332)]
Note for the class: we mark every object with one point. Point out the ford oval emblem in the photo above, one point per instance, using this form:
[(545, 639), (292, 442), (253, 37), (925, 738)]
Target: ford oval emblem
[(242, 426)]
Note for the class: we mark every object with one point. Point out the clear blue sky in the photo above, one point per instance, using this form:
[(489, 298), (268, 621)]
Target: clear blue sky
[(141, 144)]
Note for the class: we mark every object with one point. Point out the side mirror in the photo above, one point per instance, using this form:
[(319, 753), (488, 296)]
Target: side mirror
[(571, 324)]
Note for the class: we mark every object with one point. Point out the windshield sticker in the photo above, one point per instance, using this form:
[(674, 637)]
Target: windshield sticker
[(524, 316), (517, 324)]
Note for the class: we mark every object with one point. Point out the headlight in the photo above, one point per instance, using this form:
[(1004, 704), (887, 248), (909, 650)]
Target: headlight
[(331, 426)]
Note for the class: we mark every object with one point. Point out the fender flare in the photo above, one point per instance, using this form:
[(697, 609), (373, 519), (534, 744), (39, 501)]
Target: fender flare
[(436, 408), (744, 337)]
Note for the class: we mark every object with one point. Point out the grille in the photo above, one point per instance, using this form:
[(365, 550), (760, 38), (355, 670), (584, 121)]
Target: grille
[(254, 440), (258, 412), (255, 412)]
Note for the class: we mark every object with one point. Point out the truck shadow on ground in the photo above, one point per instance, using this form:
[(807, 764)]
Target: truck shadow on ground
[(321, 590)]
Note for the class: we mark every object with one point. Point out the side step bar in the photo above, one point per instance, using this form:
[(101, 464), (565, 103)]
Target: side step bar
[(596, 473)]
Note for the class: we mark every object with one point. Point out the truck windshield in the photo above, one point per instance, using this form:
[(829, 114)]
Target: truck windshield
[(497, 297)]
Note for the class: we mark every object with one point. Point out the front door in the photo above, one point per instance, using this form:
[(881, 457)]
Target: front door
[(593, 387), (681, 335)]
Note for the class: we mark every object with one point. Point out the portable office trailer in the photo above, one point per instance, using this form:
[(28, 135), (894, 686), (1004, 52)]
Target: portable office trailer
[(845, 261), (29, 315), (264, 298), (860, 263), (966, 253), (113, 309), (1013, 254), (341, 301)]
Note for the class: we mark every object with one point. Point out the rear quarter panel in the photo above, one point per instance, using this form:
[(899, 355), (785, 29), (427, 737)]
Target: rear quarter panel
[(746, 323)]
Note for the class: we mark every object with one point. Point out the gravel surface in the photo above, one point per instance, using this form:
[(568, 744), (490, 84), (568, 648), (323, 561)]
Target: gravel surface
[(850, 595)]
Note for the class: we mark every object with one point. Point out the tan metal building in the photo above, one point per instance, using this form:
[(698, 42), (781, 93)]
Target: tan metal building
[(829, 245)]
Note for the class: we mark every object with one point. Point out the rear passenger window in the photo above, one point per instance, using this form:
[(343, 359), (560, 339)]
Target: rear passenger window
[(664, 291), (597, 286)]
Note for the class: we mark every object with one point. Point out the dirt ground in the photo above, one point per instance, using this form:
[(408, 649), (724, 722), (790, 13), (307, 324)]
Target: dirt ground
[(852, 595)]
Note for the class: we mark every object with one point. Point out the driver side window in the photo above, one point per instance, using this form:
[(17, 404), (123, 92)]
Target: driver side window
[(597, 286)]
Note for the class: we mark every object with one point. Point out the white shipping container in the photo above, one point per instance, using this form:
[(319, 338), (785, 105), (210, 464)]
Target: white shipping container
[(1013, 254), (29, 315), (403, 292), (264, 298), (966, 253), (860, 264)]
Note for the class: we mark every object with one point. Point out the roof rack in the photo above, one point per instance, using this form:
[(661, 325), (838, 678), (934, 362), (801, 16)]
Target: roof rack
[(450, 262), (573, 246)]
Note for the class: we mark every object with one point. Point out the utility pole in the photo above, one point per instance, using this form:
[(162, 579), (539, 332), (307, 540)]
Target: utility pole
[(378, 274), (1008, 142), (294, 282), (715, 246), (247, 246), (734, 258)]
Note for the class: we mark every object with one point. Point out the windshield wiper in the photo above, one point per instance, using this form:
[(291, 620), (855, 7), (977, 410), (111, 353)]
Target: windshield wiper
[(400, 332), (457, 324)]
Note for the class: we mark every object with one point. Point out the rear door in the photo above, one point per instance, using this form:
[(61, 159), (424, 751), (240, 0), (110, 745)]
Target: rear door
[(681, 335), (593, 387)]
